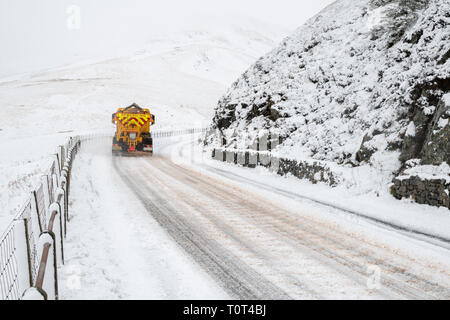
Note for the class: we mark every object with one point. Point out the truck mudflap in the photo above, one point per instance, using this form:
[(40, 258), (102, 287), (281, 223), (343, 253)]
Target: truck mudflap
[(148, 148), (135, 154), (116, 147)]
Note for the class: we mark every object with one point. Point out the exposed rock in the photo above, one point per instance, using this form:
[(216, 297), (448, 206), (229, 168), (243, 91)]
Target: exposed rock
[(436, 147), (430, 142), (434, 192), (365, 152)]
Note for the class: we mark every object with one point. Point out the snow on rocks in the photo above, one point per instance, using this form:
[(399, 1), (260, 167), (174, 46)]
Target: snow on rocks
[(426, 171), (424, 183)]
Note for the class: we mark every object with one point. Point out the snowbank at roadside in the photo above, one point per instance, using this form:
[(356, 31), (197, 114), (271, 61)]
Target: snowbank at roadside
[(405, 213)]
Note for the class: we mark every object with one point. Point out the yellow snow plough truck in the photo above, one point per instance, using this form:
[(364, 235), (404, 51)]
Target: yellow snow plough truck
[(132, 130)]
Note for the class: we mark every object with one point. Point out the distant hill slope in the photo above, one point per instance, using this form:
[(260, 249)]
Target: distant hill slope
[(363, 82), (179, 76)]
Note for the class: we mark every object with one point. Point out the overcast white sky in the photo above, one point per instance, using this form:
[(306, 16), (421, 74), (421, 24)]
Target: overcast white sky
[(34, 33)]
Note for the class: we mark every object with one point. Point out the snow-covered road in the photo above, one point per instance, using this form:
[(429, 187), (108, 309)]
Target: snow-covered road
[(160, 227), (115, 249)]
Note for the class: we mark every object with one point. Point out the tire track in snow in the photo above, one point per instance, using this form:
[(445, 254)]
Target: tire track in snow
[(347, 254), (237, 278), (344, 255)]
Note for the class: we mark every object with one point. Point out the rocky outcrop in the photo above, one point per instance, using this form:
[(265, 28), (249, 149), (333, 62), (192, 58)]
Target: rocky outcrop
[(429, 116), (360, 84), (436, 147)]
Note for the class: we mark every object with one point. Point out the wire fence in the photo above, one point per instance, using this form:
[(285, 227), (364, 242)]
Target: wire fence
[(9, 282), (32, 247)]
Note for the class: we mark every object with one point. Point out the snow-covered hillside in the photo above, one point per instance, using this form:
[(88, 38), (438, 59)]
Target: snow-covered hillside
[(360, 85), (179, 76)]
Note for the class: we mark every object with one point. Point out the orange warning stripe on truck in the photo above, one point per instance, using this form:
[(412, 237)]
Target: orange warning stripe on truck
[(138, 120)]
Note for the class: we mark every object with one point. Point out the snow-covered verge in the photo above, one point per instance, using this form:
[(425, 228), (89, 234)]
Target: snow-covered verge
[(362, 85), (179, 76), (114, 248)]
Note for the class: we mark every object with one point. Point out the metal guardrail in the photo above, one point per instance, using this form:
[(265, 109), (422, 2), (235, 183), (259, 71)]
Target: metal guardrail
[(164, 134), (155, 134), (32, 247)]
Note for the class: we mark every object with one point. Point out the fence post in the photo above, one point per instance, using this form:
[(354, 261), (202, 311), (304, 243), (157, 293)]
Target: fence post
[(27, 237), (66, 196), (47, 197), (58, 162), (62, 157), (32, 294), (37, 209)]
